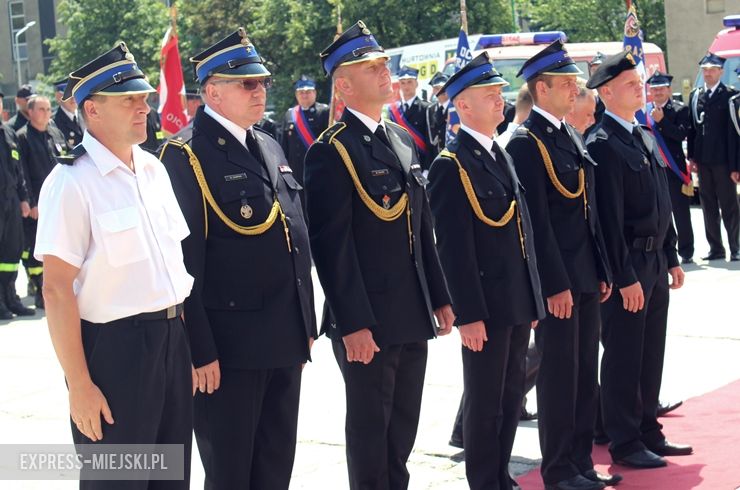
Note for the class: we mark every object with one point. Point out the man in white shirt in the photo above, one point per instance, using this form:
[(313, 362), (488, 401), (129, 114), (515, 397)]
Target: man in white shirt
[(523, 107), (109, 235)]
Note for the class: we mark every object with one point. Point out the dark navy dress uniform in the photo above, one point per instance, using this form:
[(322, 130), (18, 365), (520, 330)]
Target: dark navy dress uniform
[(709, 144), (295, 150), (437, 117), (252, 302), (635, 207), (69, 126), (379, 274), (674, 128), (571, 256), (316, 118), (13, 190), (492, 276)]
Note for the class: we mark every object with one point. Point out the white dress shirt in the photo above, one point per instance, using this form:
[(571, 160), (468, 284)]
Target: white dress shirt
[(503, 138), (121, 229), (237, 131)]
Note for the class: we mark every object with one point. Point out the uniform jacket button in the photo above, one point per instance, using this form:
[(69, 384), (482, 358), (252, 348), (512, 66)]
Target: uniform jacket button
[(232, 304), (299, 281)]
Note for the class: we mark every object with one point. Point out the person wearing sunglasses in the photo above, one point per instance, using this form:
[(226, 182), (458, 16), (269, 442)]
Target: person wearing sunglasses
[(251, 314)]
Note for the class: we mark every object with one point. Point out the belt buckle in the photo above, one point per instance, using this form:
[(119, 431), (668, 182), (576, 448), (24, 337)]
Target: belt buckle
[(649, 244), (171, 312)]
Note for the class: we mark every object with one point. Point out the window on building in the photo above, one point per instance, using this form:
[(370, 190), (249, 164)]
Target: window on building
[(17, 16), (714, 6)]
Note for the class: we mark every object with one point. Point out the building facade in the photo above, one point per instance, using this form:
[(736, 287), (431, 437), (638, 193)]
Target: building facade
[(31, 51)]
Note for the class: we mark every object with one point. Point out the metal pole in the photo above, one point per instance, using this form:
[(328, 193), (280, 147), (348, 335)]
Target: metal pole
[(18, 51), (464, 16)]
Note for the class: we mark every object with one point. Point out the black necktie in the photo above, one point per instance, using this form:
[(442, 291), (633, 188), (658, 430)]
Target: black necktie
[(405, 107), (253, 147), (495, 149), (382, 136)]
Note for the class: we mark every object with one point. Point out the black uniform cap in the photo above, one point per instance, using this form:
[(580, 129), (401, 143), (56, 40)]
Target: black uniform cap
[(610, 68)]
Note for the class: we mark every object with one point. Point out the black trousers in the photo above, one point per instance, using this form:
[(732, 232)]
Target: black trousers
[(567, 388), (681, 216), (34, 267), (718, 192), (530, 379), (632, 365), (11, 240), (144, 371), (494, 388), (246, 430), (383, 403)]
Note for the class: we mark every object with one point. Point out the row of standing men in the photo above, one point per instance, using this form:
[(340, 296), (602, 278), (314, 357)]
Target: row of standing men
[(519, 240)]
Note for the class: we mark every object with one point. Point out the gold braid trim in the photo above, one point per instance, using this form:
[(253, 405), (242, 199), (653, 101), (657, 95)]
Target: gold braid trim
[(554, 178), (475, 204), (275, 211), (380, 212)]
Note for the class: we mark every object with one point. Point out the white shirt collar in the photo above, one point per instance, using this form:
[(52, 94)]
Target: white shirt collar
[(713, 88), (70, 115), (625, 124), (410, 101), (445, 104), (485, 141), (237, 131), (553, 120), (368, 121), (106, 161)]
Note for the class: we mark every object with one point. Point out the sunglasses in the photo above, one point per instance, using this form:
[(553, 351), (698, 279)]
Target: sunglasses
[(250, 84)]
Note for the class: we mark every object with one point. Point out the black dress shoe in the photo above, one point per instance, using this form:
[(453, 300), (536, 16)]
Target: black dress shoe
[(643, 458), (527, 416), (671, 449), (714, 256), (735, 257), (578, 482), (608, 480), (687, 260), (669, 407)]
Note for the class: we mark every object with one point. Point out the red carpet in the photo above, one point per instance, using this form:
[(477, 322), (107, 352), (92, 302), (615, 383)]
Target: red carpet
[(711, 423)]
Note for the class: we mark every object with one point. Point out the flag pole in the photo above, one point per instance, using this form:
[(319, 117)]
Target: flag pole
[(332, 102), (464, 16)]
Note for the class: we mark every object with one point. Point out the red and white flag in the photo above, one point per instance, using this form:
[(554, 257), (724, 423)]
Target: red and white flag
[(171, 86)]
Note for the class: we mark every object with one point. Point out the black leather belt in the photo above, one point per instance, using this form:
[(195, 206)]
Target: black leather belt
[(646, 243), (166, 314)]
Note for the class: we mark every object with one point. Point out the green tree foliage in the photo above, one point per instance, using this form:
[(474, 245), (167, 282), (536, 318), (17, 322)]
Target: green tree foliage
[(594, 20), (95, 26), (290, 34)]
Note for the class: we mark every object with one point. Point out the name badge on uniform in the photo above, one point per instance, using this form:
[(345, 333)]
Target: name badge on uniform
[(285, 169), (379, 172), (235, 177), (415, 166)]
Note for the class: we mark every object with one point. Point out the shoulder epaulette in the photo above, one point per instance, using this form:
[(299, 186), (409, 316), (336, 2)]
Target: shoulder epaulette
[(597, 133), (175, 144), (69, 158), (388, 121), (329, 133)]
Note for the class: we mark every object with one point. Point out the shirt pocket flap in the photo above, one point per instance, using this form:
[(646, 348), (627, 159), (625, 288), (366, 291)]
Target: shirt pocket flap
[(234, 191), (119, 219)]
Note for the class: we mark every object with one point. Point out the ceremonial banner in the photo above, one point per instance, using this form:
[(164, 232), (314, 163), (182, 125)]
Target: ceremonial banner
[(171, 86)]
